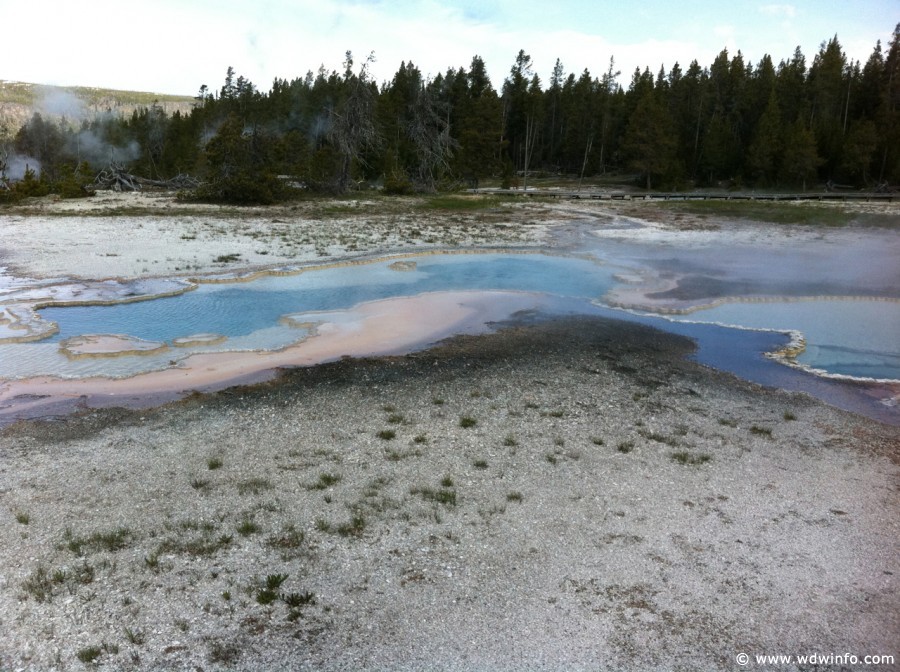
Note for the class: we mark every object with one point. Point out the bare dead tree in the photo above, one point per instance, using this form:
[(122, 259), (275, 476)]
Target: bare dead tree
[(352, 130), (531, 131), (429, 131)]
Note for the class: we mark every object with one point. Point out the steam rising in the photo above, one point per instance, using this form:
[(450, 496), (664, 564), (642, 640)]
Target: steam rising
[(55, 102)]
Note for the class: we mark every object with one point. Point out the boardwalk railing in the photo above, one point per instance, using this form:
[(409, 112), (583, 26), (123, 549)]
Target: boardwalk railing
[(692, 196)]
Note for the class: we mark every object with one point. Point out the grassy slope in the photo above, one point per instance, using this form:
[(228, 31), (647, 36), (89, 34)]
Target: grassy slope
[(19, 100)]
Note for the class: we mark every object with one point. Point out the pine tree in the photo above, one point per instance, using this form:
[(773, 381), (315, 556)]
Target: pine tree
[(649, 143), (801, 159)]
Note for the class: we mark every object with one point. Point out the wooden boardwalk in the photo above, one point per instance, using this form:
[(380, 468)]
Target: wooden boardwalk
[(692, 196)]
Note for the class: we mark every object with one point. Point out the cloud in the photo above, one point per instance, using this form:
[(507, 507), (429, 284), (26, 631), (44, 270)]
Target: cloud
[(787, 11), (174, 46)]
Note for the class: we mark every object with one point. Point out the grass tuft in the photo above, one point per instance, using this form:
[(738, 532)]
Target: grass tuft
[(326, 480), (111, 541), (253, 486), (247, 527), (89, 654), (761, 431), (691, 459), (467, 421)]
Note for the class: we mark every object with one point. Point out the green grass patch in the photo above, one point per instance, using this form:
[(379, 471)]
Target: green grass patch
[(247, 527), (625, 446), (326, 480), (690, 459), (761, 431), (89, 654), (444, 496), (111, 541)]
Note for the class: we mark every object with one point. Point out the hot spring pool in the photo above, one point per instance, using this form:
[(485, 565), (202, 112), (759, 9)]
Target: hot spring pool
[(856, 338)]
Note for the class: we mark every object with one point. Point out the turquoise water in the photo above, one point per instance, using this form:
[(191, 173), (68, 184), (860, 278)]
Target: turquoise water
[(853, 337), (858, 338), (248, 313), (240, 309)]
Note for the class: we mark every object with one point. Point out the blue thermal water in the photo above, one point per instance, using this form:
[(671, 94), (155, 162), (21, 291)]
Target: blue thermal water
[(856, 338), (859, 337), (240, 309)]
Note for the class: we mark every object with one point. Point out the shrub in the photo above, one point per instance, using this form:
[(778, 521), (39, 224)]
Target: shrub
[(467, 421)]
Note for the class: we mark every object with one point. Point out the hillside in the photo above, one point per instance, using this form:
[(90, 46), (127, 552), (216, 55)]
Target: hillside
[(20, 100)]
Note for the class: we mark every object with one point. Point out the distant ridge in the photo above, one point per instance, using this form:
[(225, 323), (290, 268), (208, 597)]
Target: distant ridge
[(20, 100)]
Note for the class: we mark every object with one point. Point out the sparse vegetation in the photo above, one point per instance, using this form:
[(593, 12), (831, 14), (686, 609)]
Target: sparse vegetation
[(467, 421), (135, 636), (39, 584), (353, 528), (444, 495), (692, 459), (326, 480), (761, 431), (268, 591), (246, 527), (111, 541), (199, 484), (152, 562), (659, 437), (224, 652), (89, 654), (253, 486), (387, 434), (288, 540)]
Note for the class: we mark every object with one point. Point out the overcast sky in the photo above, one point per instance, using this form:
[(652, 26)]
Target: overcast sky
[(175, 46)]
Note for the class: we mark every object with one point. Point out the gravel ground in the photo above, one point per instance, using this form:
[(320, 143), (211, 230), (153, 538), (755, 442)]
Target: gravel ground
[(569, 496)]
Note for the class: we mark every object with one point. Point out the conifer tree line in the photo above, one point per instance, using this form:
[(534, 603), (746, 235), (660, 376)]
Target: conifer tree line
[(793, 124)]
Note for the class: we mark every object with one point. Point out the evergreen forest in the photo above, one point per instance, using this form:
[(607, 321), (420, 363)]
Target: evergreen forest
[(796, 124)]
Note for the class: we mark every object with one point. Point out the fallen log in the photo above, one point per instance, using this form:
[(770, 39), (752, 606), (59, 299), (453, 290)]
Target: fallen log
[(115, 177)]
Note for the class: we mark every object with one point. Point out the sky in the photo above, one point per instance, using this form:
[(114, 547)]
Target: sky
[(175, 46)]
